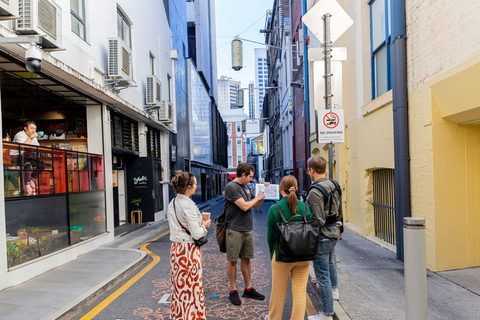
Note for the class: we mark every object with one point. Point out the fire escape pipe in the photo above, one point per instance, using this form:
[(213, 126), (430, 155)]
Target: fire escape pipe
[(400, 121)]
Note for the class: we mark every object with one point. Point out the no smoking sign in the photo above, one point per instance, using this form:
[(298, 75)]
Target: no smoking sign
[(331, 126)]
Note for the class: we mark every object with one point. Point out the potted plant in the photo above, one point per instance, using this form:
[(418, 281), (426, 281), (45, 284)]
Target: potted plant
[(135, 203)]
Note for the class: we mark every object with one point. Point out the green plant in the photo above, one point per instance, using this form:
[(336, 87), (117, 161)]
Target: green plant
[(135, 203)]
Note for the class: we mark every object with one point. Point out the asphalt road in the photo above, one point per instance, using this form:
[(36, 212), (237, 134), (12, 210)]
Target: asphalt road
[(146, 294)]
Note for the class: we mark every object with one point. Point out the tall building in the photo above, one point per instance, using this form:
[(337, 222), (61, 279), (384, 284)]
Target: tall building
[(115, 140), (227, 93), (261, 78), (251, 100)]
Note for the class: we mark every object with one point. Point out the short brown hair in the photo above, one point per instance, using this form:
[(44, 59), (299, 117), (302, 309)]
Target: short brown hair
[(317, 164), (244, 167)]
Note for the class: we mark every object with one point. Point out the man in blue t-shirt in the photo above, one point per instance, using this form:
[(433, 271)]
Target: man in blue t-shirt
[(239, 235)]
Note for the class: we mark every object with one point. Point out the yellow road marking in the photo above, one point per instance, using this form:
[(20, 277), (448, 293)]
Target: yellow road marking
[(102, 305)]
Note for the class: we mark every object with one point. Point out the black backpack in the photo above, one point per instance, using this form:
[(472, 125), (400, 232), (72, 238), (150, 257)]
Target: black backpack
[(327, 198)]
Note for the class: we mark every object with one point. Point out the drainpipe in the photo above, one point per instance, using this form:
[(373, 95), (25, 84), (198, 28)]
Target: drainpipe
[(307, 90), (400, 121)]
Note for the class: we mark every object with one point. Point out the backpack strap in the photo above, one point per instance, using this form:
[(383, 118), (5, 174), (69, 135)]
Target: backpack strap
[(337, 187), (328, 196), (293, 216)]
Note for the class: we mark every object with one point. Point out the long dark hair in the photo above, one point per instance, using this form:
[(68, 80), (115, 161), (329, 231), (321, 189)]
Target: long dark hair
[(182, 180), (289, 185)]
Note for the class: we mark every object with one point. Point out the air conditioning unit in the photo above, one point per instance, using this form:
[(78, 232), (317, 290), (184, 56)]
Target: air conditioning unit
[(165, 113), (8, 9), (119, 59), (153, 92), (42, 17)]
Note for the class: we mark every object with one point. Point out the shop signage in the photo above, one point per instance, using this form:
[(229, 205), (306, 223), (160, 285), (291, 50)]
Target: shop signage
[(331, 126), (140, 182)]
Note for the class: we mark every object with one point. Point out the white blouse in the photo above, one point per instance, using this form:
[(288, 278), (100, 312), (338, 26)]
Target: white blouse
[(189, 216)]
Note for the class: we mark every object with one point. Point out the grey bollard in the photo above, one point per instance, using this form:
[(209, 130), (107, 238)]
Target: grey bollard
[(415, 268)]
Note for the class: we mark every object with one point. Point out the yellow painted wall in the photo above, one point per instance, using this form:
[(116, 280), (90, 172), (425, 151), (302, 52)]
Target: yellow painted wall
[(369, 146), (445, 166), (422, 194), (443, 90)]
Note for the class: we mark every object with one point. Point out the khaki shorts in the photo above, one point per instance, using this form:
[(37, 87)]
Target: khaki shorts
[(239, 245)]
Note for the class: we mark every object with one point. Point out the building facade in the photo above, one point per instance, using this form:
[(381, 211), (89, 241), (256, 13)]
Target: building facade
[(261, 78), (280, 103), (105, 131), (441, 130), (228, 93)]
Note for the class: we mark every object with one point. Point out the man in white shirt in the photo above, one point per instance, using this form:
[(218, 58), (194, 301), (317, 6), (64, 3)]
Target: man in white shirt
[(28, 135)]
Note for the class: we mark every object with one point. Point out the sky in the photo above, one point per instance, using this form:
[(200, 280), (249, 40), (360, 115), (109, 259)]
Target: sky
[(244, 18)]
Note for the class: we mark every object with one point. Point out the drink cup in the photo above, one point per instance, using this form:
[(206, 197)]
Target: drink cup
[(40, 133), (206, 216)]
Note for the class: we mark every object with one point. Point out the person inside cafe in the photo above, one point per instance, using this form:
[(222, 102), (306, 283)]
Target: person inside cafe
[(28, 135)]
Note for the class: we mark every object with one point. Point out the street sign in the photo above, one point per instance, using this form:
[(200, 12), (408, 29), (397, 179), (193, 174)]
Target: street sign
[(339, 22), (331, 126)]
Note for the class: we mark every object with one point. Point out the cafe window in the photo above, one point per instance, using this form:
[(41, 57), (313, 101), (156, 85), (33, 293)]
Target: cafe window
[(124, 133), (153, 143), (53, 198), (31, 171)]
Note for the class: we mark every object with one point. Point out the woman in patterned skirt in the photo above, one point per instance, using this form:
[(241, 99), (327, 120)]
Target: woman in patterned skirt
[(187, 301)]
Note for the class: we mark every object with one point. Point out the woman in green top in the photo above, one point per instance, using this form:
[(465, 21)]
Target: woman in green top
[(281, 271)]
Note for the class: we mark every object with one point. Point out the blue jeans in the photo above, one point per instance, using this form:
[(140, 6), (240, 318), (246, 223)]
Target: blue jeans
[(326, 272)]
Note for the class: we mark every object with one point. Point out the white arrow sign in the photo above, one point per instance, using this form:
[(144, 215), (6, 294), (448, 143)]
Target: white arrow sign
[(339, 22)]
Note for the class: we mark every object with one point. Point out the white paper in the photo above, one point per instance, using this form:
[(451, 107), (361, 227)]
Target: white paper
[(272, 191)]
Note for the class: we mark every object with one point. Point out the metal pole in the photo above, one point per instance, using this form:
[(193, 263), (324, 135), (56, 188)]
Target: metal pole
[(415, 268), (328, 83), (306, 84)]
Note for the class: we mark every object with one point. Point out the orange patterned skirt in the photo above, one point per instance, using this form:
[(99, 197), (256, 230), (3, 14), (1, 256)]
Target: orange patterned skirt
[(187, 301)]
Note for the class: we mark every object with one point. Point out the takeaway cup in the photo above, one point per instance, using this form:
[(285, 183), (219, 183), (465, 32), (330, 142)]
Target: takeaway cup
[(206, 216)]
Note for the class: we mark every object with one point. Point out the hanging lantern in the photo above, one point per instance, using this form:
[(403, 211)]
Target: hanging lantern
[(237, 54), (240, 101)]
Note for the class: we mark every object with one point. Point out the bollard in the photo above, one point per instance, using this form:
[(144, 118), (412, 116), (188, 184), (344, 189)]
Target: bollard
[(415, 268)]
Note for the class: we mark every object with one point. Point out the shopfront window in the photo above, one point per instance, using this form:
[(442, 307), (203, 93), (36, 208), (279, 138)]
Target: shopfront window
[(54, 198)]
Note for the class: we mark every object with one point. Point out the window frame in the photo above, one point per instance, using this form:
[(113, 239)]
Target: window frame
[(125, 21), (81, 20), (384, 44)]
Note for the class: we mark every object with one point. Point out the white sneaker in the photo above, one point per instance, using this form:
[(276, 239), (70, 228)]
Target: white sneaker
[(335, 294), (320, 316)]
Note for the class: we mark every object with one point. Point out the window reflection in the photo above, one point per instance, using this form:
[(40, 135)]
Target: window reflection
[(39, 225)]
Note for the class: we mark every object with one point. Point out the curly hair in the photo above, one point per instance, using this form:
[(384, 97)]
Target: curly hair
[(182, 180)]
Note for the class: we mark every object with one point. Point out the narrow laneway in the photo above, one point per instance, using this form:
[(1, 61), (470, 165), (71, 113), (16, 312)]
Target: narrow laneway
[(146, 295)]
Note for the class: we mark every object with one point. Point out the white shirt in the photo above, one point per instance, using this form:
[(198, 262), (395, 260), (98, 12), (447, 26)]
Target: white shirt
[(189, 216), (21, 137)]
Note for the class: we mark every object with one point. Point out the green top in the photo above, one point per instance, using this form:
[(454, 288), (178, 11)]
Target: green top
[(274, 217)]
